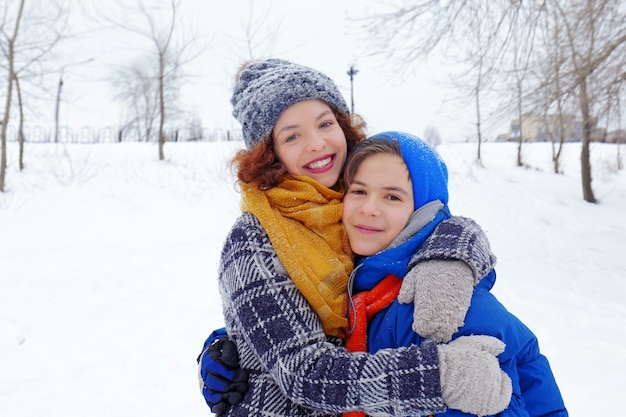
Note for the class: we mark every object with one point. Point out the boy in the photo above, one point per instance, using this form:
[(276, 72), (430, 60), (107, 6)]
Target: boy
[(396, 195)]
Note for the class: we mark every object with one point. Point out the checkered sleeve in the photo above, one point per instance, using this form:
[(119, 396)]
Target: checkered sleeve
[(458, 238), (295, 368)]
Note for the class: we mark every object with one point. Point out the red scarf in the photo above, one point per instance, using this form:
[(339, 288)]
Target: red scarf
[(366, 304)]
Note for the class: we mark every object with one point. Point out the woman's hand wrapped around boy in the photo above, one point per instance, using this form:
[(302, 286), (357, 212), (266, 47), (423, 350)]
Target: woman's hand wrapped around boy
[(441, 291)]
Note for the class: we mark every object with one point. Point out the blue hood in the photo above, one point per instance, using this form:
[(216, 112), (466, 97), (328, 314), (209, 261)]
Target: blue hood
[(429, 173)]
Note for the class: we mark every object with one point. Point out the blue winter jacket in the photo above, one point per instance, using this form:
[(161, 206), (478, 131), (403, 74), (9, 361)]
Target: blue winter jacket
[(535, 392)]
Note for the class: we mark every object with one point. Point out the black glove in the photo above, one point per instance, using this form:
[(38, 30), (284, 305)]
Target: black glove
[(222, 382)]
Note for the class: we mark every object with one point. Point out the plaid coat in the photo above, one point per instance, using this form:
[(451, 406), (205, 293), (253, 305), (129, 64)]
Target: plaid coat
[(296, 370)]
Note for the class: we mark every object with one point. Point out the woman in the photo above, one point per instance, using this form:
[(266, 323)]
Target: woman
[(286, 261)]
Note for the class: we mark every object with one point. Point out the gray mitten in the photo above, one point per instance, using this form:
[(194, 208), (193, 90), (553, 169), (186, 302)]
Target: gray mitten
[(471, 378), (441, 292)]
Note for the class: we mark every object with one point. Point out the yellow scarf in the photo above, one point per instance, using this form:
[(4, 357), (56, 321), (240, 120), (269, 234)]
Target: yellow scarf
[(303, 221)]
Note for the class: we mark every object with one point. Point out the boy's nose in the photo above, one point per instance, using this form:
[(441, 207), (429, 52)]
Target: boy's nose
[(370, 208)]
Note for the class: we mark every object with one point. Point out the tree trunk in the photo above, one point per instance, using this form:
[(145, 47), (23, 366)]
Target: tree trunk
[(478, 157), (585, 162), (557, 155), (20, 130), (161, 107), (7, 105), (5, 120), (520, 162)]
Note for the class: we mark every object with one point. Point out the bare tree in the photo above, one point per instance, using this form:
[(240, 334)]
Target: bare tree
[(617, 111), (595, 38), (475, 80), (137, 87), (155, 79), (475, 34), (519, 72), (168, 65), (480, 78), (551, 94), (27, 36), (432, 136), (9, 52), (523, 32), (20, 129), (259, 41), (590, 53)]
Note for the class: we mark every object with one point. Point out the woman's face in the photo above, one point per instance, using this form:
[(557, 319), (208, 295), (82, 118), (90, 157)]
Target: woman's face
[(378, 203), (309, 141)]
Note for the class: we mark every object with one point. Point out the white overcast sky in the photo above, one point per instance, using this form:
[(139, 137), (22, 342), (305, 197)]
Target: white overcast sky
[(323, 34)]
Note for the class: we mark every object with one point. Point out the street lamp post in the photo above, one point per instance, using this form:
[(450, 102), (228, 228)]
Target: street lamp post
[(58, 102), (352, 72)]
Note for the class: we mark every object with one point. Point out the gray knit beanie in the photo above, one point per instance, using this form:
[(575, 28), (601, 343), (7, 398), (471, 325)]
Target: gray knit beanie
[(266, 88)]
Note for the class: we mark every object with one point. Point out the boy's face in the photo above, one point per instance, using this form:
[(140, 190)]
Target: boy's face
[(378, 203), (309, 141)]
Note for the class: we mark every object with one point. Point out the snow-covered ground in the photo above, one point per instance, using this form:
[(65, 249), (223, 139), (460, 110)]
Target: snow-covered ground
[(108, 260)]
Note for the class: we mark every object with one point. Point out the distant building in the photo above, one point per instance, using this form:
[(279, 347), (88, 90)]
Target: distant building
[(616, 136), (537, 128)]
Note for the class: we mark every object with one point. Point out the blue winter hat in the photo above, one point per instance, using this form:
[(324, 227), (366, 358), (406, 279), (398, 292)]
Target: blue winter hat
[(265, 89), (428, 172)]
